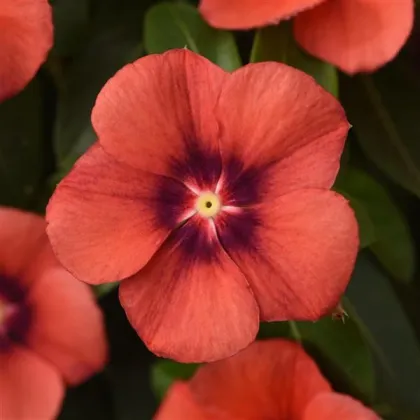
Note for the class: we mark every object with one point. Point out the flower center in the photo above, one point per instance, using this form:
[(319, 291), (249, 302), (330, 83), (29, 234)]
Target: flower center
[(208, 204), (15, 314)]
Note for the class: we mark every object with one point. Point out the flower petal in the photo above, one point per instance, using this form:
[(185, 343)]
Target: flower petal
[(26, 36), (107, 219), (269, 379), (30, 388), (153, 110), (244, 14), (179, 404), (191, 303), (270, 112), (333, 406), (302, 254), (67, 326), (24, 234), (357, 35)]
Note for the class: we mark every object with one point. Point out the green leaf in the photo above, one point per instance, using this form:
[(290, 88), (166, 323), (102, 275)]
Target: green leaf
[(23, 147), (103, 289), (384, 110), (276, 43), (165, 372), (339, 348), (390, 334), (184, 27), (392, 243)]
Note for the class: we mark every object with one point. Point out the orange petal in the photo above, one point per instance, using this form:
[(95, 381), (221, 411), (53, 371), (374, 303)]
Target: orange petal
[(151, 111), (191, 303), (30, 388), (357, 35), (244, 14), (273, 379), (302, 256), (270, 112), (67, 326), (103, 219), (26, 36), (23, 237), (333, 406), (179, 404)]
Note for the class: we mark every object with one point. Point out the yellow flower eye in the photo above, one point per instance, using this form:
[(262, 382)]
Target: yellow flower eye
[(208, 204)]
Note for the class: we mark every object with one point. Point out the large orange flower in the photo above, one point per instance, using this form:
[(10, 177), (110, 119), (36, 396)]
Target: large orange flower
[(272, 379), (51, 331), (210, 192), (26, 36), (354, 35)]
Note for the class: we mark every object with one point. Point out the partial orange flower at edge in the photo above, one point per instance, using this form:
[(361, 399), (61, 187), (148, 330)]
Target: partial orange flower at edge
[(51, 329), (273, 379), (208, 195), (26, 36), (354, 35)]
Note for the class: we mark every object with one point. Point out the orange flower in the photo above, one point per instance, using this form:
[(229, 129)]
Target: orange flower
[(354, 35), (272, 379), (209, 190), (26, 36), (51, 331)]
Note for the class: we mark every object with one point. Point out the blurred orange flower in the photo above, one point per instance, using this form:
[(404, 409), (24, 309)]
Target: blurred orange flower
[(26, 36), (273, 379), (51, 330), (210, 191), (354, 35)]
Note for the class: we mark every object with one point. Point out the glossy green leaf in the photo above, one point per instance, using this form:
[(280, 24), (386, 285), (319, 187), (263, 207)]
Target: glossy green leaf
[(276, 43), (23, 146), (179, 25), (384, 110), (165, 372), (338, 347), (391, 240), (378, 311)]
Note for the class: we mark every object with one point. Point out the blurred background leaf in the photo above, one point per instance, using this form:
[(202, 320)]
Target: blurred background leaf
[(382, 225), (165, 372), (277, 43), (384, 323), (384, 109), (185, 28)]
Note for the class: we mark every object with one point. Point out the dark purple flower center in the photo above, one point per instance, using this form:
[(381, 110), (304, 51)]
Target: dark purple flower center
[(15, 314), (239, 188)]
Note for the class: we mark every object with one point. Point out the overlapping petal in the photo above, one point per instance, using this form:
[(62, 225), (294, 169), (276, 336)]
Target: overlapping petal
[(191, 303), (302, 253), (270, 379), (179, 404), (333, 406), (356, 35), (152, 111), (30, 388), (23, 237), (67, 327), (271, 113), (244, 14), (26, 36), (103, 218)]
